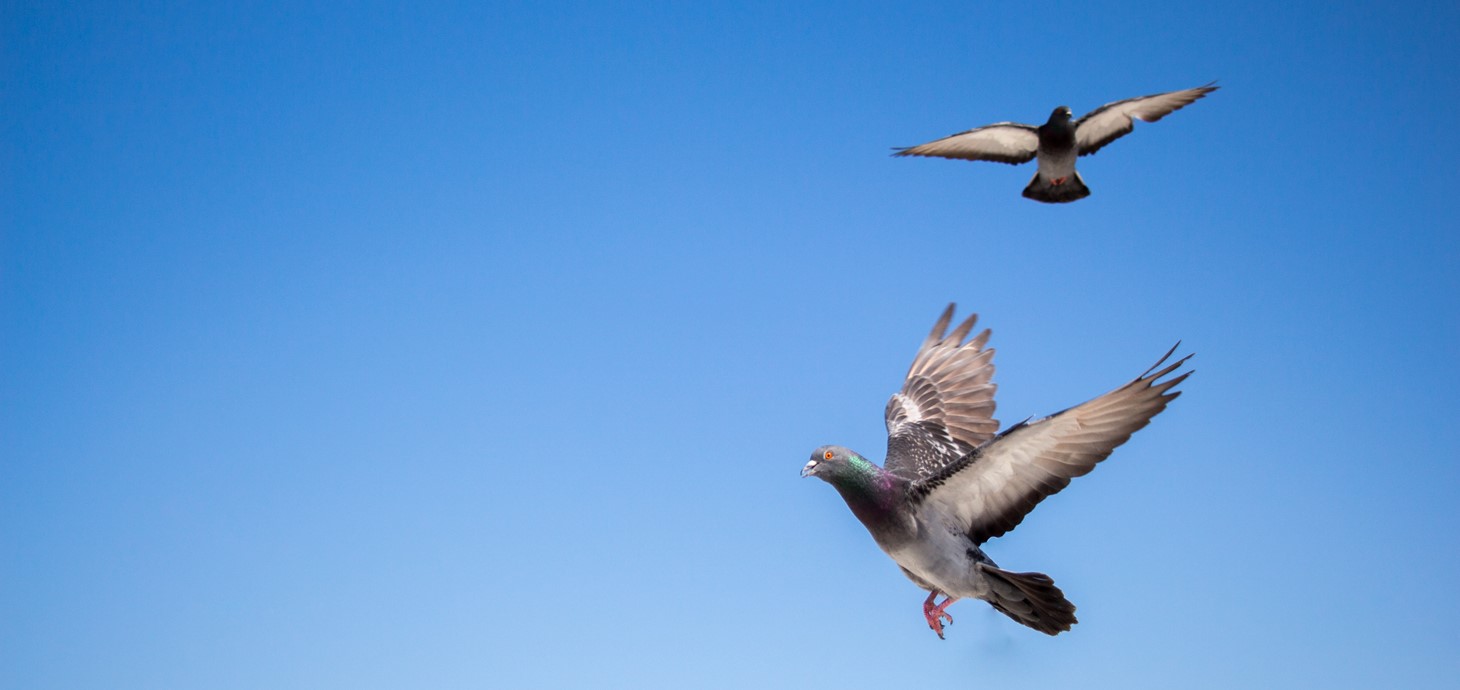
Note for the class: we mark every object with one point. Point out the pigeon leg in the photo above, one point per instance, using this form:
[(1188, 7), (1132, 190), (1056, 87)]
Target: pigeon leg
[(936, 614), (1058, 181)]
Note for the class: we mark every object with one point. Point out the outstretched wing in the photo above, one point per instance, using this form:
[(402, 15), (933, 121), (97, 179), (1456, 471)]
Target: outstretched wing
[(1114, 120), (993, 488), (946, 406), (1004, 142)]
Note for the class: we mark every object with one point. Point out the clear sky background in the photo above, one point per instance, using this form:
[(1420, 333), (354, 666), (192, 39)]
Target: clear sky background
[(480, 345)]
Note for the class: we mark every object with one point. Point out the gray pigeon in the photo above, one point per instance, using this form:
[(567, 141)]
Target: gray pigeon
[(951, 483), (1057, 143)]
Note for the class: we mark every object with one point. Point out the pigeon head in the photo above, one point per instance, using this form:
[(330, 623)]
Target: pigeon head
[(1061, 114), (835, 463)]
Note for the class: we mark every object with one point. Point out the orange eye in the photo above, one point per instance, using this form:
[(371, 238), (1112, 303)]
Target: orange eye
[(827, 455)]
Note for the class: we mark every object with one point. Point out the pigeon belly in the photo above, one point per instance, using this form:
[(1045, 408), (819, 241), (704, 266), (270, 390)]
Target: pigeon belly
[(1054, 165), (943, 558)]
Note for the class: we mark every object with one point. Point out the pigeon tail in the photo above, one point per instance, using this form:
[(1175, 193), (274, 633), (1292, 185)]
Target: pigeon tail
[(1030, 598), (1058, 190)]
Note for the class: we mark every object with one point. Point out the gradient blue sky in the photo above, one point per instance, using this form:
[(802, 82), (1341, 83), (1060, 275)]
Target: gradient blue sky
[(465, 345)]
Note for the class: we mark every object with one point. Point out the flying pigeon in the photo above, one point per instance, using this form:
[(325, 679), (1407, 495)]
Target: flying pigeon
[(951, 483), (1058, 142)]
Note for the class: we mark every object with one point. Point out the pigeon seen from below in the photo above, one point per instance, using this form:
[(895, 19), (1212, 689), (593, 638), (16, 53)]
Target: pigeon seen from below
[(1057, 143), (951, 483)]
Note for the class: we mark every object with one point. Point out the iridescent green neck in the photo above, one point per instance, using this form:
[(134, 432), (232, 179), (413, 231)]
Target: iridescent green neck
[(864, 486), (862, 467)]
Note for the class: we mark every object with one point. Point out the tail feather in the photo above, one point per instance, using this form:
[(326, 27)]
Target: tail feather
[(1031, 599), (1071, 189)]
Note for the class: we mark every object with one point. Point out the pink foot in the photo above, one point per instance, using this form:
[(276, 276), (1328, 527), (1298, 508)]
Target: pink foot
[(935, 614), (1058, 181)]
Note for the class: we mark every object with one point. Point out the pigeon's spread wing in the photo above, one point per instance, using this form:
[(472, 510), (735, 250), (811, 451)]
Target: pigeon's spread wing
[(1005, 142), (946, 406), (992, 489), (1115, 120)]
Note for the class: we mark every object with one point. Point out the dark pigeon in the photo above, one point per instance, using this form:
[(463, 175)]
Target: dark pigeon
[(951, 483), (1058, 142)]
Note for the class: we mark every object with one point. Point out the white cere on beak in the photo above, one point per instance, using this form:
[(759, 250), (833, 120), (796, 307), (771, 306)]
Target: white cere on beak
[(809, 466)]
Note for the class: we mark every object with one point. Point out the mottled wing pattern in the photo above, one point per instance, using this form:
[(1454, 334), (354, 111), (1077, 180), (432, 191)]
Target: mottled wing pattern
[(1114, 120), (992, 489), (946, 406), (1004, 142)]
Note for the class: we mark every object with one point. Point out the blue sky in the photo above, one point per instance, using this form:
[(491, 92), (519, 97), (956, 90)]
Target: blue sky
[(481, 345)]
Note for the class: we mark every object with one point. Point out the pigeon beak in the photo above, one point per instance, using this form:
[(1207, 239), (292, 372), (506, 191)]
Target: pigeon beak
[(808, 469)]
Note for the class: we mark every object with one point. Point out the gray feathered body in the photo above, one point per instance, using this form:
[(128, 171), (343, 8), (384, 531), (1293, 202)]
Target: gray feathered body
[(1055, 180), (936, 554)]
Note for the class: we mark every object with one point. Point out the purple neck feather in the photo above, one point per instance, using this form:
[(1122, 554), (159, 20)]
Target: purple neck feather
[(868, 490)]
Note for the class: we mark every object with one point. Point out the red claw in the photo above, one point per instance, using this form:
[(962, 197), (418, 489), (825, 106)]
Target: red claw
[(935, 614)]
